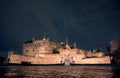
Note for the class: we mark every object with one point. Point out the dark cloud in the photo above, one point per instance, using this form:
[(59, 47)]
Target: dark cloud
[(91, 24)]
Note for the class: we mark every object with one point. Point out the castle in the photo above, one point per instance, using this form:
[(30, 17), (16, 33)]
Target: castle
[(45, 51)]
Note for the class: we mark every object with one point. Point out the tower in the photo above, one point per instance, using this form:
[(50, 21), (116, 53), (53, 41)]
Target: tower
[(44, 36), (74, 44), (67, 45)]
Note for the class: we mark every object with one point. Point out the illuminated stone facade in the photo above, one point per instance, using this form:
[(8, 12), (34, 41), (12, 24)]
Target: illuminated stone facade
[(48, 52), (35, 47)]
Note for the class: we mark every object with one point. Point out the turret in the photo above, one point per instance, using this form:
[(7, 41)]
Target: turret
[(74, 44), (67, 45), (44, 36)]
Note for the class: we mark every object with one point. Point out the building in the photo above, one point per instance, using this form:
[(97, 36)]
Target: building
[(45, 51)]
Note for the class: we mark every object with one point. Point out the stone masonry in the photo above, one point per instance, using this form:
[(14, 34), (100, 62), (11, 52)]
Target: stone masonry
[(48, 52)]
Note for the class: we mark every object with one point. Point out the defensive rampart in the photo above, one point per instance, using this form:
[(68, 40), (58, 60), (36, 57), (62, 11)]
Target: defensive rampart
[(58, 59)]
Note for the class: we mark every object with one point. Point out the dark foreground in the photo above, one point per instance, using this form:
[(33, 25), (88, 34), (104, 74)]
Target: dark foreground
[(59, 72)]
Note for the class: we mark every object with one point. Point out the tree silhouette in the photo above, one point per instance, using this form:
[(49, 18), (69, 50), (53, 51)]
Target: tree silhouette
[(56, 51), (2, 59), (114, 50)]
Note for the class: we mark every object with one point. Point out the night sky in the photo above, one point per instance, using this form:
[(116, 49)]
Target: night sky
[(89, 23)]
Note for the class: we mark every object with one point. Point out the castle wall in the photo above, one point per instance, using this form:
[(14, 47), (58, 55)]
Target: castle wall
[(101, 60), (57, 59), (41, 52), (45, 59), (28, 49), (38, 46)]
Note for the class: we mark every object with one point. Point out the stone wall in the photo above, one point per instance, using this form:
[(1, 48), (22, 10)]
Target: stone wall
[(46, 59), (58, 59), (38, 46), (96, 60)]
